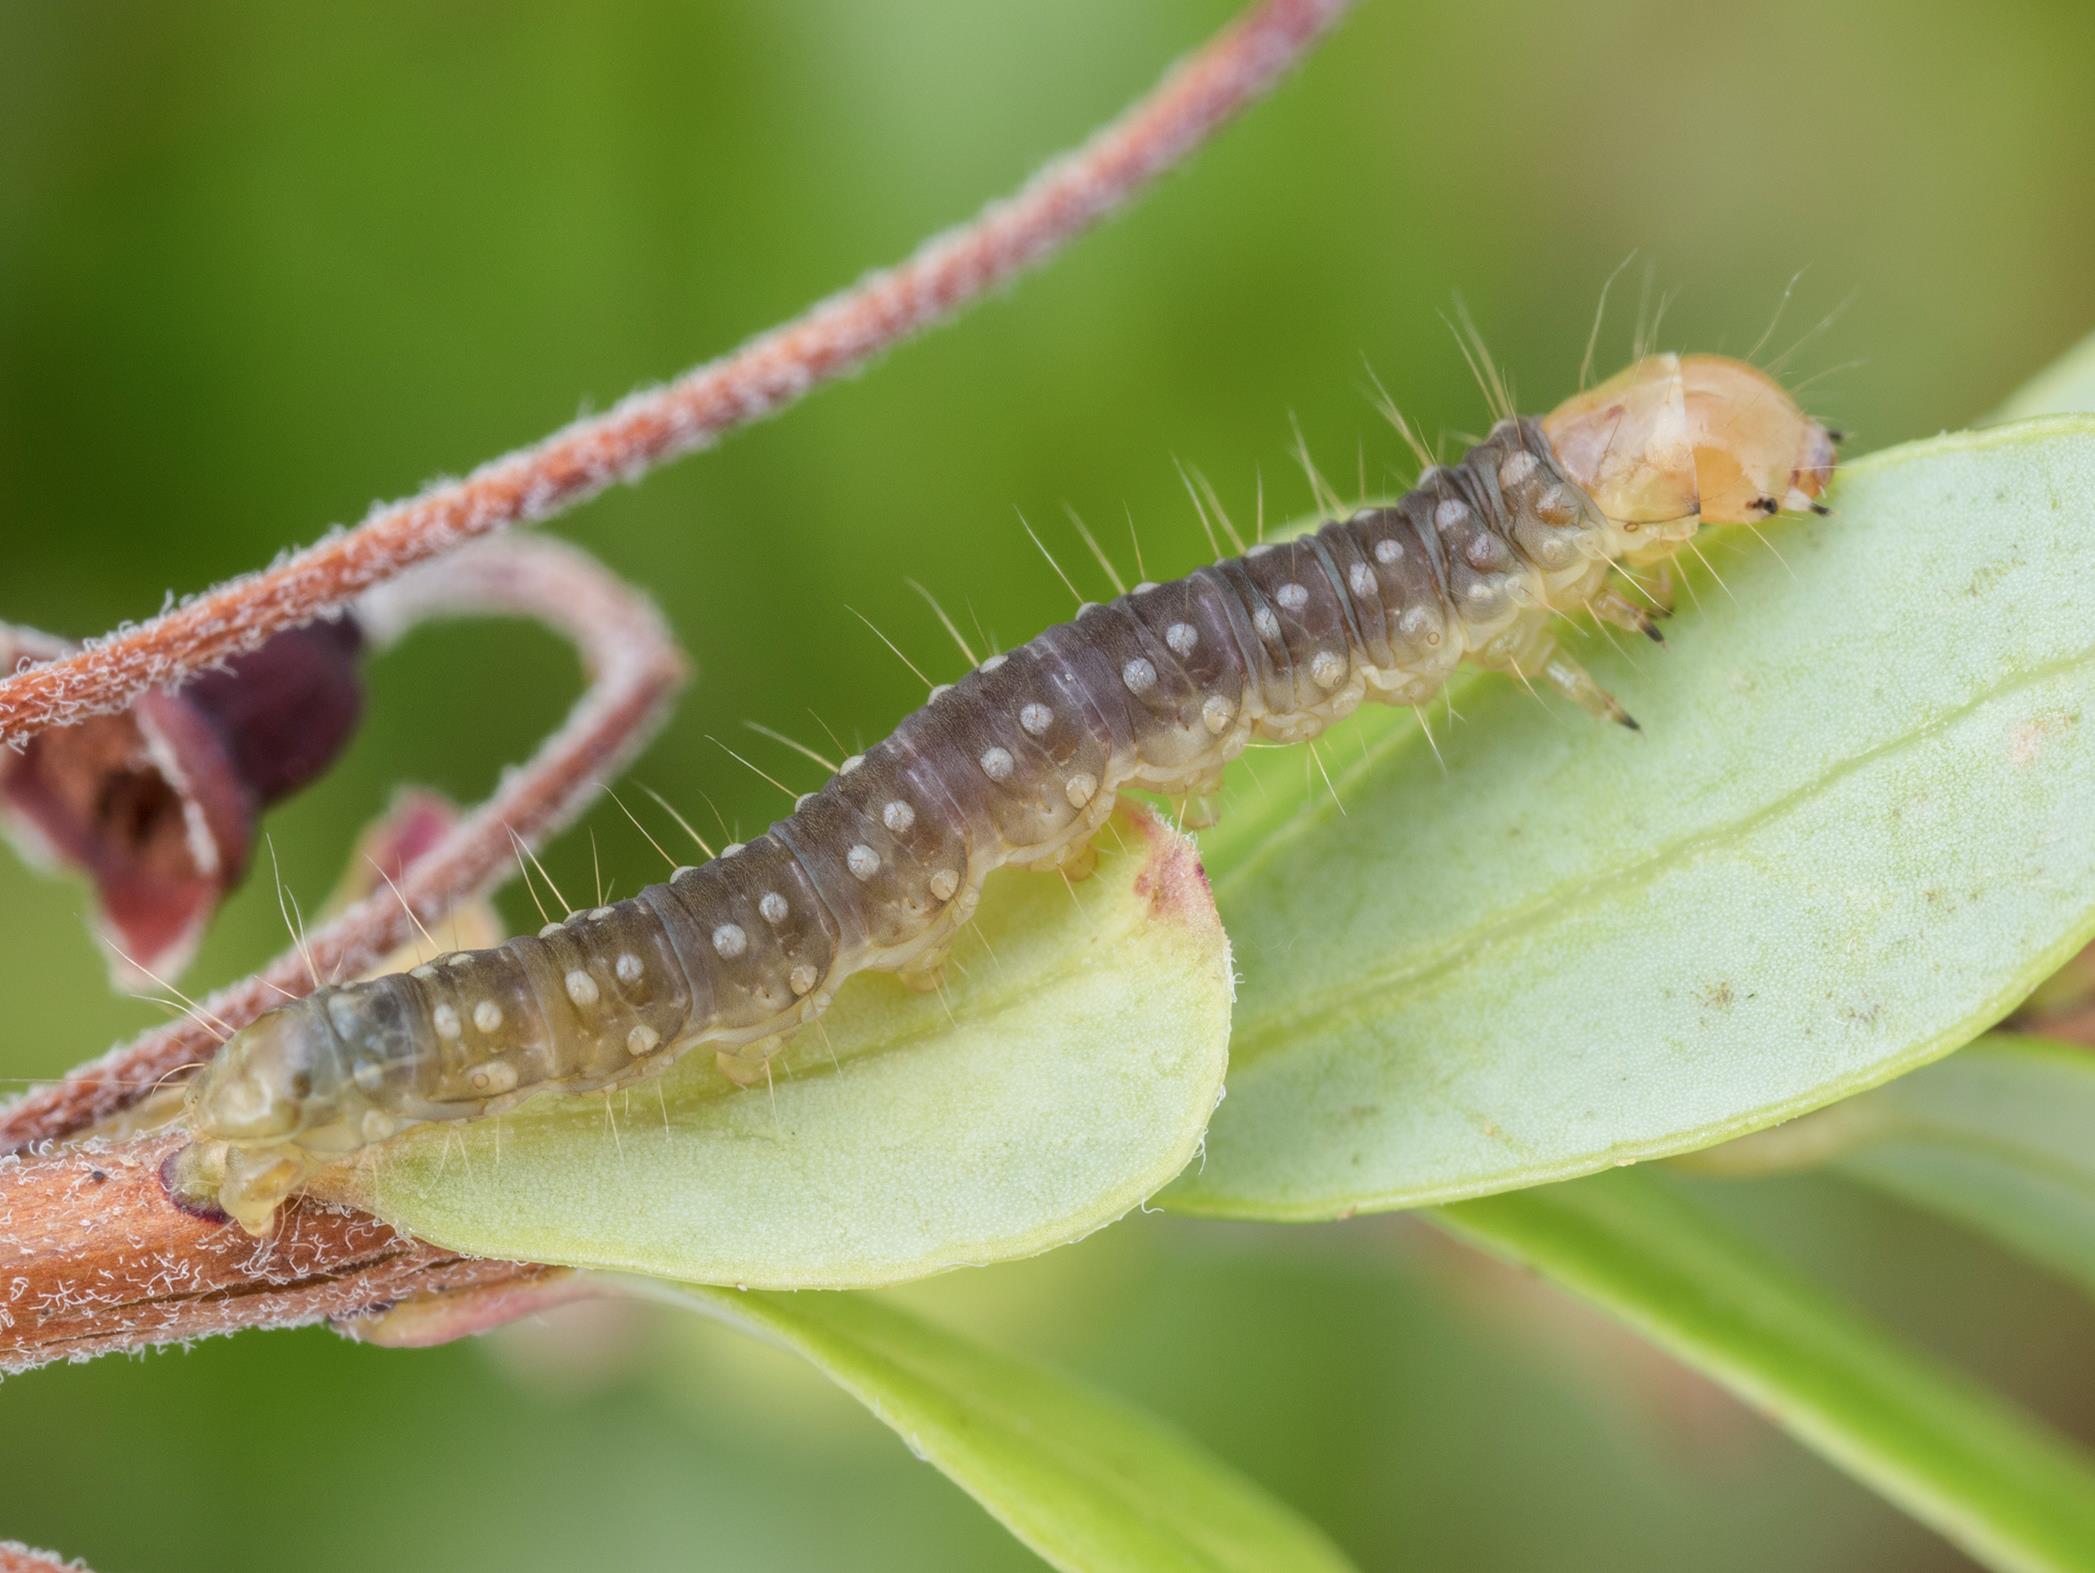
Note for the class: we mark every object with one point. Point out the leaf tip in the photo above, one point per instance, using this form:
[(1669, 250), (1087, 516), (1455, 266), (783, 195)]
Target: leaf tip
[(1172, 878)]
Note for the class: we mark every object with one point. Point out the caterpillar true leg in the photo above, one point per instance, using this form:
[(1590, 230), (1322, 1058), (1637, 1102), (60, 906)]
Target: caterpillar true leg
[(1575, 683), (1018, 765), (1611, 606)]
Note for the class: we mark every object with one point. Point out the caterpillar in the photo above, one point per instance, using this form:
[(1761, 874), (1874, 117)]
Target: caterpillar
[(1018, 765)]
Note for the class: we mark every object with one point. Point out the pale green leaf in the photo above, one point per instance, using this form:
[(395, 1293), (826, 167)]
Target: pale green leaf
[(2066, 386), (1858, 826), (1997, 1482), (1067, 1073), (1089, 1483), (2000, 1136)]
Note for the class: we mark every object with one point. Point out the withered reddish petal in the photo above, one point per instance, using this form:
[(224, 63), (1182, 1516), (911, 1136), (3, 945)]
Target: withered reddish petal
[(286, 710), (415, 821), (158, 805)]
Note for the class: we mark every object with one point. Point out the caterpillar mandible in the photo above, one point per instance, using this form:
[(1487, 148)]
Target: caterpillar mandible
[(1019, 764)]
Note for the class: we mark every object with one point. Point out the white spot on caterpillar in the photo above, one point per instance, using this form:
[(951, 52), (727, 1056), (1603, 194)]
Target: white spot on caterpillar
[(1515, 468), (996, 763), (863, 861), (1183, 638), (549, 930), (1292, 596), (1419, 625), (1036, 718), (1266, 623), (1362, 578), (445, 1019), (1080, 789), (629, 968), (1485, 552), (944, 883), (802, 801), (938, 692), (1451, 514), (898, 816), (1139, 675), (1326, 669), (493, 1078), (642, 1040), (1557, 507), (851, 764), (730, 940), (459, 958), (682, 871), (1388, 550), (1145, 587), (600, 913), (801, 979), (1260, 550), (581, 988), (425, 972), (1217, 713), (487, 1016), (732, 848), (771, 906), (993, 663)]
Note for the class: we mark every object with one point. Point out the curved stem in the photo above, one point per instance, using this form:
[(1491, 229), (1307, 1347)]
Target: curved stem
[(633, 665), (655, 425), (98, 1259)]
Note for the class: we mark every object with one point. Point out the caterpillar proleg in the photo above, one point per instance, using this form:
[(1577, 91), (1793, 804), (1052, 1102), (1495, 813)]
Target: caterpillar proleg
[(1018, 765)]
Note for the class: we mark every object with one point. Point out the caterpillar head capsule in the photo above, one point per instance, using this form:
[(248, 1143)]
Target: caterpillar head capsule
[(255, 1112), (1679, 441)]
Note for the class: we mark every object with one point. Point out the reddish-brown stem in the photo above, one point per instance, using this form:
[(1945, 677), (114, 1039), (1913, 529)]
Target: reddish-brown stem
[(835, 337), (94, 1258), (633, 666), (18, 1558)]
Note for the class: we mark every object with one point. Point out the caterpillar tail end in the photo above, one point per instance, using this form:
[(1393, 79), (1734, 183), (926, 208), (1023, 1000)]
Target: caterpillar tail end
[(245, 1184)]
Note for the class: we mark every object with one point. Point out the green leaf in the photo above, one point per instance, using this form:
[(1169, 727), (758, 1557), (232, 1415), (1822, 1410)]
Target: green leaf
[(1998, 1483), (1067, 1073), (1858, 826), (2000, 1137), (1084, 1480), (2066, 386)]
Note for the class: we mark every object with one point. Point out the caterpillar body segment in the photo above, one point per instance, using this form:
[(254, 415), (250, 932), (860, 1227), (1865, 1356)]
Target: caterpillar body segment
[(1675, 442), (1018, 764)]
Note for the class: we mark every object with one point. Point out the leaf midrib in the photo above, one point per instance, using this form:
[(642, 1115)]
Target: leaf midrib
[(1256, 1035)]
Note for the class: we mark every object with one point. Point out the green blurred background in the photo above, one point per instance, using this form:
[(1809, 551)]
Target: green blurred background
[(260, 264)]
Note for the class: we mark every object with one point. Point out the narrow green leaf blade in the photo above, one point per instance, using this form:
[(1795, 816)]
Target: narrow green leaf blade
[(1065, 1075), (1859, 825), (1089, 1483), (2000, 1137), (1995, 1481)]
